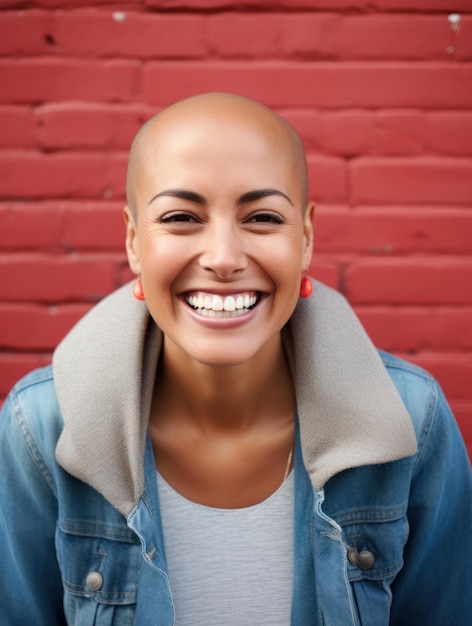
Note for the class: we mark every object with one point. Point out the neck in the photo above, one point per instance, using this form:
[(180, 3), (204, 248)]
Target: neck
[(227, 398)]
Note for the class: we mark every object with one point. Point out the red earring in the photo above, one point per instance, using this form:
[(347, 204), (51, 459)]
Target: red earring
[(306, 287), (138, 290)]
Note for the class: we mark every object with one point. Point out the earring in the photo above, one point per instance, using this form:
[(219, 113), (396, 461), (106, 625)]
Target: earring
[(138, 290), (306, 287)]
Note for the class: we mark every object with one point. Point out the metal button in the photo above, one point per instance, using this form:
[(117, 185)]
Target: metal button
[(94, 581), (352, 555), (366, 560)]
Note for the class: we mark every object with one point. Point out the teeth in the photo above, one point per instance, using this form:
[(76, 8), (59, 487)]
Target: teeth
[(218, 306), (229, 303), (217, 303)]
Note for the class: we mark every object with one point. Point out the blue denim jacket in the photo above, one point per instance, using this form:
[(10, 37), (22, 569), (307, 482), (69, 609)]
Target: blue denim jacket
[(376, 544)]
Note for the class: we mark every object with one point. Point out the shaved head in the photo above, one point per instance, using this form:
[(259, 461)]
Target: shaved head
[(214, 109)]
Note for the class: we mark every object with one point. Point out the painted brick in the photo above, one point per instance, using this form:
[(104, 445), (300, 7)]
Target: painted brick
[(62, 226), (328, 178), (374, 36), (26, 226), (353, 132), (45, 79), (364, 132), (462, 410), (448, 132), (16, 127), (26, 32), (368, 5), (14, 366), (34, 278), (325, 271), (387, 231), (67, 126), (283, 84), (411, 329), (95, 227), (125, 275), (82, 175), (123, 33), (410, 281), (452, 328), (32, 327), (74, 4), (463, 41), (405, 329), (411, 180), (308, 35)]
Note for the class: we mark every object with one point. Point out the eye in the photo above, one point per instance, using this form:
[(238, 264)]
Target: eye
[(265, 218), (177, 217)]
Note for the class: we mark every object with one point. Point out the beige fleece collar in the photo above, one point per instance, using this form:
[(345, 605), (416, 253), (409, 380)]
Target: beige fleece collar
[(349, 411)]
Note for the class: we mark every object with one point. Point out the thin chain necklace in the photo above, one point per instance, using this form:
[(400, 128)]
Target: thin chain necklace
[(289, 462)]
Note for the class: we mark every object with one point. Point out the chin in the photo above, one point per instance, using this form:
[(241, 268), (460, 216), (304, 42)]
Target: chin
[(223, 360)]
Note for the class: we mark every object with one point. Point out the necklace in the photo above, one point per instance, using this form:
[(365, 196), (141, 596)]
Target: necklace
[(289, 462)]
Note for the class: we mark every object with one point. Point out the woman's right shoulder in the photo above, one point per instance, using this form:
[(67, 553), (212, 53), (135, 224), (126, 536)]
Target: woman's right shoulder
[(31, 416)]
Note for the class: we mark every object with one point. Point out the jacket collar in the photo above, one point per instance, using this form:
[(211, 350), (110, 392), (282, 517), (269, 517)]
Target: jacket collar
[(349, 411)]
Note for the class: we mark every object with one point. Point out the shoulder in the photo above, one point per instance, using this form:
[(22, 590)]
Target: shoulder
[(415, 385), (31, 414), (410, 380), (34, 392), (433, 421)]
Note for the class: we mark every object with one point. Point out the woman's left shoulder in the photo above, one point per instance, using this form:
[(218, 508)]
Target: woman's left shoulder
[(424, 399)]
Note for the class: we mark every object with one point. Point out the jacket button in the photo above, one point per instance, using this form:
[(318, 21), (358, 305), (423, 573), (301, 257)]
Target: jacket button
[(366, 560), (352, 556), (94, 581)]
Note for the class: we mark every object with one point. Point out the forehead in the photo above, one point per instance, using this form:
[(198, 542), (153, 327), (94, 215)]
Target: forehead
[(217, 147)]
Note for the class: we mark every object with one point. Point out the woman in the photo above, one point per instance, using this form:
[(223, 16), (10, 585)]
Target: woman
[(224, 448)]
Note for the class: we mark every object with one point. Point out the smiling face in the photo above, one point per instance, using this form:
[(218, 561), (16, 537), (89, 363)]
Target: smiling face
[(219, 232)]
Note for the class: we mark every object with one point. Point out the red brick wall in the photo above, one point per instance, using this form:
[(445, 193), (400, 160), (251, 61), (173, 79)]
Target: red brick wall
[(381, 92)]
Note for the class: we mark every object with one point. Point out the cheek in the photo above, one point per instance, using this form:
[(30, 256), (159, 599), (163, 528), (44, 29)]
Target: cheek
[(285, 258), (163, 257)]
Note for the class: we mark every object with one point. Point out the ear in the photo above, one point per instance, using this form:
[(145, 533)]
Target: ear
[(308, 218), (132, 248)]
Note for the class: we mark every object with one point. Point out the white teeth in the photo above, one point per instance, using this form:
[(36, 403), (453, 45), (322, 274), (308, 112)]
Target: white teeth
[(229, 303), (217, 303), (220, 306)]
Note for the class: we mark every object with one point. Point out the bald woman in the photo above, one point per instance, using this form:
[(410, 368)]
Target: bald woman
[(219, 443)]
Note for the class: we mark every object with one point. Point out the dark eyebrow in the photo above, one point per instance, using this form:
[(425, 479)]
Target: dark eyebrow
[(259, 194), (183, 194), (246, 198)]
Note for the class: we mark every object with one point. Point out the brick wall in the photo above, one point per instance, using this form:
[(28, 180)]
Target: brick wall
[(380, 91)]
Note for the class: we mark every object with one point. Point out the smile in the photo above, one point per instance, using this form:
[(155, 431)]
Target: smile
[(214, 305)]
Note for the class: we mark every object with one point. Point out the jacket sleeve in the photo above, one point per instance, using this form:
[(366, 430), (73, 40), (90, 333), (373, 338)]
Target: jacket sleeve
[(434, 587), (30, 582)]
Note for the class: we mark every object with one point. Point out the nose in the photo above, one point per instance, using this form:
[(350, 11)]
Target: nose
[(223, 251)]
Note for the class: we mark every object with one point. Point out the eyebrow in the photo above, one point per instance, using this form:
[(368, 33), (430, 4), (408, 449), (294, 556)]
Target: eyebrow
[(246, 198), (259, 194), (183, 194)]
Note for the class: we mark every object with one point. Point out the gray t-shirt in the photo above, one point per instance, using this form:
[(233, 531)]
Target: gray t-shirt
[(230, 567)]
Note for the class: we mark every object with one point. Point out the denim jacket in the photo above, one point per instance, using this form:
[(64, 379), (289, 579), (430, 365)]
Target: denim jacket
[(383, 507)]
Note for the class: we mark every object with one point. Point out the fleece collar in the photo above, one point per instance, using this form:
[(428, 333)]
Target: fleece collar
[(349, 411)]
